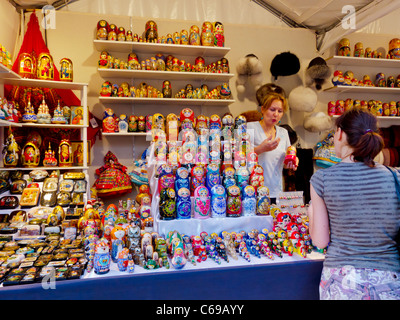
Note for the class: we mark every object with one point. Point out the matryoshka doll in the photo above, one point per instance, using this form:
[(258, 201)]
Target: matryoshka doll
[(167, 204), (166, 178), (228, 177), (183, 203), (394, 48), (121, 35), (219, 38), (242, 177), (233, 202), (182, 178), (65, 158), (166, 89), (117, 241), (102, 30), (184, 37), (207, 35), (201, 202), (102, 259), (249, 201), (290, 156), (212, 176), (199, 64), (151, 33), (106, 89), (194, 35), (218, 201), (263, 201), (112, 32), (344, 47), (198, 178), (109, 121), (359, 50), (257, 177)]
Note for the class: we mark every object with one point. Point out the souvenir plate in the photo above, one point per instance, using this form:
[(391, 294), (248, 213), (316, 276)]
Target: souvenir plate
[(17, 186), (63, 199), (8, 202), (80, 186), (66, 185), (38, 175), (48, 199), (18, 216), (50, 184), (30, 197)]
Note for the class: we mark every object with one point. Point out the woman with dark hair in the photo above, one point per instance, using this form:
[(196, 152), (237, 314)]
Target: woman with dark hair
[(355, 210)]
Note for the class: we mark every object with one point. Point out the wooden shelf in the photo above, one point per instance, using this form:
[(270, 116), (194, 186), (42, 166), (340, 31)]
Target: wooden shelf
[(46, 83), (359, 89), (45, 168), (133, 134), (163, 75), (167, 101), (357, 61), (153, 48), (6, 73)]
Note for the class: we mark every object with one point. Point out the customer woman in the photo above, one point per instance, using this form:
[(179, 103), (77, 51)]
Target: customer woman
[(355, 210), (271, 141)]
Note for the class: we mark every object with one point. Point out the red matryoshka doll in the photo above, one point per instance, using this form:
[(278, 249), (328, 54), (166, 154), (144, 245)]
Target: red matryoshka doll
[(290, 156), (112, 32), (199, 64), (198, 177), (233, 201), (207, 35), (394, 48), (344, 47), (151, 33), (106, 89), (186, 118), (133, 61), (339, 107), (202, 203), (359, 50), (257, 177), (27, 66), (219, 38), (66, 69), (121, 35), (215, 122), (45, 67), (104, 61), (65, 153), (392, 109), (166, 177), (102, 30), (109, 122), (129, 35), (194, 36)]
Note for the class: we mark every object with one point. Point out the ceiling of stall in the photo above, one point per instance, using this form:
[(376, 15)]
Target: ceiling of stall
[(329, 19)]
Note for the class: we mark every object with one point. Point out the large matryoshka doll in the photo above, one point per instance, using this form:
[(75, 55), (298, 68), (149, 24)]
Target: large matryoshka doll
[(194, 35), (219, 38), (218, 201), (117, 241), (102, 257), (167, 204), (207, 34), (186, 119), (233, 202), (183, 203), (182, 178), (166, 178), (249, 201), (151, 33), (228, 177), (344, 47), (212, 176), (102, 30), (198, 178), (263, 201), (201, 203), (109, 121)]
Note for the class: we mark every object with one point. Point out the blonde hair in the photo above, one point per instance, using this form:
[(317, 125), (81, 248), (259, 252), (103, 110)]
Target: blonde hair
[(272, 97)]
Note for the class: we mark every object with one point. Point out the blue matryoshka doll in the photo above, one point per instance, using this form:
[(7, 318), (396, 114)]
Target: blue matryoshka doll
[(183, 203), (249, 201), (182, 178), (218, 201), (228, 177), (263, 200), (212, 177), (166, 178)]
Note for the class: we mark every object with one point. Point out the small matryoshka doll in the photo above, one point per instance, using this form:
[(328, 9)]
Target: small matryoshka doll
[(218, 201), (263, 201), (109, 123), (194, 35), (348, 104), (228, 177), (344, 47), (166, 89), (212, 176), (186, 119), (249, 201), (167, 204), (102, 258), (339, 107), (233, 202), (394, 48), (199, 64), (257, 177), (183, 203), (184, 36), (112, 32), (198, 178), (121, 35), (141, 124), (207, 35), (201, 202), (380, 80), (290, 156), (182, 178), (240, 126), (65, 153), (392, 108), (242, 177), (151, 33), (102, 30), (219, 38), (359, 50), (166, 178)]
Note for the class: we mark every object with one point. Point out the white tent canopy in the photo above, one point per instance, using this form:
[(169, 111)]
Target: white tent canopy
[(329, 19)]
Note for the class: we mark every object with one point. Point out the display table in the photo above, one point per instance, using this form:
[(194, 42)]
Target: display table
[(287, 278)]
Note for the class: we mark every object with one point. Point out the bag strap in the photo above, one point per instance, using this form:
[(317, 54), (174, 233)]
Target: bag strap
[(396, 180)]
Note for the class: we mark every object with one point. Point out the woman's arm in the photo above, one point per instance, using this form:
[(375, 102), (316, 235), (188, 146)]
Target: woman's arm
[(318, 221)]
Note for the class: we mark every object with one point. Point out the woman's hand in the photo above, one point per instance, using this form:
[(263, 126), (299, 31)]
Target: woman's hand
[(268, 144), (291, 165)]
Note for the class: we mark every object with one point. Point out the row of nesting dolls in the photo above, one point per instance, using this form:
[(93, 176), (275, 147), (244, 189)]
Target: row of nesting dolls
[(144, 90), (159, 62), (211, 34), (236, 193), (376, 107), (344, 49), (348, 79)]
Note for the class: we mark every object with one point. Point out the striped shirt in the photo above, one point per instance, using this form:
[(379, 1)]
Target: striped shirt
[(364, 215)]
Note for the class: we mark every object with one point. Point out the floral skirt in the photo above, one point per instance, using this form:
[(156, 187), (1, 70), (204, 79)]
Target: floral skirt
[(349, 283)]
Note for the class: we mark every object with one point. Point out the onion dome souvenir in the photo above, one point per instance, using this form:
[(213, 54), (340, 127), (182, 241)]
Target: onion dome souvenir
[(27, 66), (58, 116), (151, 33), (49, 158), (394, 48), (43, 115), (45, 67), (102, 30), (112, 32), (65, 153), (29, 115), (66, 69)]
